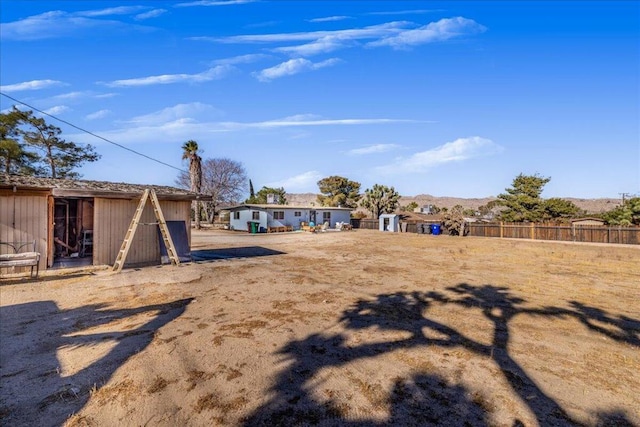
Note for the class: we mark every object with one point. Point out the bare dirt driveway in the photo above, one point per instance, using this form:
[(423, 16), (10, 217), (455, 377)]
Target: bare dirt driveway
[(357, 328)]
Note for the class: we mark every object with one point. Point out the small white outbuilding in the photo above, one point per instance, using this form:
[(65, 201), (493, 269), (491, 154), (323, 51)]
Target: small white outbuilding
[(389, 222)]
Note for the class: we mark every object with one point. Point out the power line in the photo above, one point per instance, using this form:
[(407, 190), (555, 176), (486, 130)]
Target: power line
[(91, 133)]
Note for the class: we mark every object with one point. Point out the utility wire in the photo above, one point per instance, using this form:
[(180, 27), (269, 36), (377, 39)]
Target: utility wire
[(91, 133)]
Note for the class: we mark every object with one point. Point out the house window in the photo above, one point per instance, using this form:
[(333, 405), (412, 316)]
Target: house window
[(278, 214), (326, 217), (236, 215), (255, 215), (297, 213)]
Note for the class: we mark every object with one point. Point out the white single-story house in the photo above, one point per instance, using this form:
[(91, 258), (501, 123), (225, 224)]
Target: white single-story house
[(265, 216)]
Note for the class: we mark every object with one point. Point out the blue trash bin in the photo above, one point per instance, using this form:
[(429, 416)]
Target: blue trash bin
[(435, 229)]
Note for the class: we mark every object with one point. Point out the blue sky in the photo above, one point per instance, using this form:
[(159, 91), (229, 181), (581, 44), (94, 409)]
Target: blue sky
[(441, 98)]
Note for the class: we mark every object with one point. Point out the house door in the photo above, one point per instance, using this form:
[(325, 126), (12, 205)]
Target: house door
[(312, 217), (385, 224)]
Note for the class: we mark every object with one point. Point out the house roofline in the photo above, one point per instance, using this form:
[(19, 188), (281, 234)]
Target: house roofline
[(285, 207), (587, 218)]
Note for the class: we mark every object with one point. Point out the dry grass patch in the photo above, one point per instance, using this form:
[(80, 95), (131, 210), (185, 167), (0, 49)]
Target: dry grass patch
[(122, 392), (196, 377), (159, 384)]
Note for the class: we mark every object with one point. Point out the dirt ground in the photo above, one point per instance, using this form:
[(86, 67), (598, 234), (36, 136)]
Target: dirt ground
[(357, 328)]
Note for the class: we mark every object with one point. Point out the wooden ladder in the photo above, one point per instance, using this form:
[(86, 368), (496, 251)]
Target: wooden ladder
[(131, 231)]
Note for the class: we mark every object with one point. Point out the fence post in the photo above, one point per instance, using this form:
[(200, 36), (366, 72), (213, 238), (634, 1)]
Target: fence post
[(501, 230), (533, 231)]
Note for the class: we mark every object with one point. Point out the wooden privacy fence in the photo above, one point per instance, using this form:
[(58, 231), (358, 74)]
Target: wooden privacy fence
[(410, 226), (535, 231), (367, 224), (568, 233)]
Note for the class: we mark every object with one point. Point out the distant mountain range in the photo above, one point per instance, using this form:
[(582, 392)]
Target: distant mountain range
[(592, 206)]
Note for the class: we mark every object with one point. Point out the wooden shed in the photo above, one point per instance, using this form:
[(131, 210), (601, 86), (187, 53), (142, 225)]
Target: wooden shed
[(77, 222), (389, 222), (579, 222)]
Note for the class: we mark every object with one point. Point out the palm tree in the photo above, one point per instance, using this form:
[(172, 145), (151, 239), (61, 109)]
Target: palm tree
[(190, 152)]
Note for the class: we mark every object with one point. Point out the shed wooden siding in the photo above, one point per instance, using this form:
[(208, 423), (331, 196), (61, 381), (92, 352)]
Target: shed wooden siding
[(23, 219), (112, 219)]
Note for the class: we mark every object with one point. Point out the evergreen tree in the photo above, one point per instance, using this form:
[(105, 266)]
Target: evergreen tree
[(58, 156), (339, 191), (626, 214), (14, 157), (557, 208), (522, 201), (260, 197)]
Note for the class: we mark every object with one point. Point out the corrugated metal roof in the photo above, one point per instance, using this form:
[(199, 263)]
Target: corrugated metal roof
[(86, 188)]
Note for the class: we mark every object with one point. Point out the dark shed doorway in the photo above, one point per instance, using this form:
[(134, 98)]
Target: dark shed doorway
[(72, 232)]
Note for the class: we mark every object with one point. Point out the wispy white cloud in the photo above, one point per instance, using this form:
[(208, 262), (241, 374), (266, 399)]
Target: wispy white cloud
[(302, 117), (330, 18), (213, 73), (178, 123), (58, 109), (120, 10), (397, 34), (150, 14), (298, 135), (291, 67), (241, 59), (72, 95), (60, 24), (213, 3), (184, 112), (100, 114), (371, 32), (301, 182), (373, 149), (322, 45), (441, 30), (456, 151), (72, 98), (312, 120), (171, 125), (172, 132), (32, 85)]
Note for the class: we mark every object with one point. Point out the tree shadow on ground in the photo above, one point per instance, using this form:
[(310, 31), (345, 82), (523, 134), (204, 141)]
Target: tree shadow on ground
[(427, 399), (34, 387), (208, 255)]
